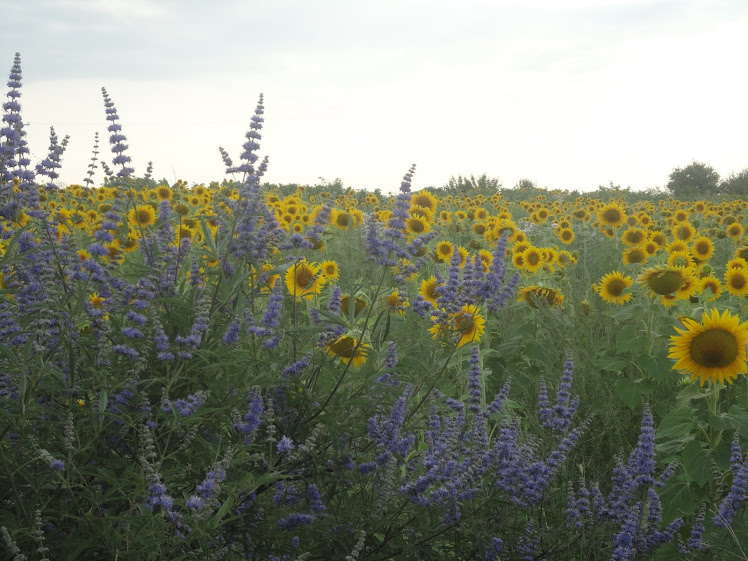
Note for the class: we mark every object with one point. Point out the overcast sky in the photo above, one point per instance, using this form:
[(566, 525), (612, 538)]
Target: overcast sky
[(570, 94)]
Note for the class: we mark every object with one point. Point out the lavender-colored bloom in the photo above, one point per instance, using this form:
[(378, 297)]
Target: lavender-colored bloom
[(49, 166), (232, 333), (641, 463), (294, 520), (57, 465), (625, 540), (252, 418), (188, 405), (293, 370), (285, 444), (493, 549), (116, 138), (124, 350), (731, 503), (695, 538), (315, 500), (131, 332)]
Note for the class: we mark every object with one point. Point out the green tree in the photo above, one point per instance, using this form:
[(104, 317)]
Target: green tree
[(696, 179), (736, 184), (462, 184)]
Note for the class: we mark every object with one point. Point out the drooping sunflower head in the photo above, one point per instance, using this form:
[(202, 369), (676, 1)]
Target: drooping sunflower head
[(612, 286), (537, 295), (349, 350), (713, 349), (742, 252), (663, 281), (354, 307)]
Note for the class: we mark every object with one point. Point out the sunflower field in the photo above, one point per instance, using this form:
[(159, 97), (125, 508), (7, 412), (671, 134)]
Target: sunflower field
[(262, 372)]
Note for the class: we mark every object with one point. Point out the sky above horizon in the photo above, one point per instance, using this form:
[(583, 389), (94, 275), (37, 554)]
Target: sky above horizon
[(570, 95)]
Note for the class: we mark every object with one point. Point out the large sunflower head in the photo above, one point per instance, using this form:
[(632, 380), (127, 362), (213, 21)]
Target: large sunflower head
[(663, 280), (424, 199), (611, 214), (734, 230), (713, 349), (612, 286)]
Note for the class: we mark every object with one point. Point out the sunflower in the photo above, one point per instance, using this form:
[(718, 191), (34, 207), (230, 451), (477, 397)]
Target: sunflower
[(742, 252), (737, 263), (349, 350), (611, 214), (734, 230), (611, 288), (635, 255), (416, 225), (684, 231), (430, 290), (533, 295), (566, 235), (736, 281), (663, 280), (713, 349), (96, 301), (341, 219), (681, 258), (634, 236), (394, 302), (486, 259), (689, 288), (702, 248), (357, 306), (330, 270), (164, 193), (303, 279), (532, 259), (444, 251), (712, 284), (424, 199), (141, 216), (467, 324), (658, 238)]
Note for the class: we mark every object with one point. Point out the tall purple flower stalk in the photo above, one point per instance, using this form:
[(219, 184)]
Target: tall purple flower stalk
[(116, 138), (48, 166), (14, 152)]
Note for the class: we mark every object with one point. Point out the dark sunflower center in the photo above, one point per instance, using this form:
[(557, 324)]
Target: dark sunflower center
[(566, 235), (635, 237), (636, 256), (533, 258), (464, 323), (612, 215), (344, 347), (715, 348), (738, 281), (616, 287), (342, 220), (303, 277), (416, 226), (702, 248), (665, 282)]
